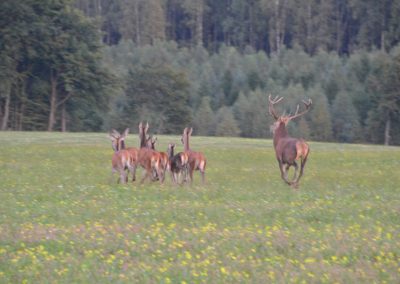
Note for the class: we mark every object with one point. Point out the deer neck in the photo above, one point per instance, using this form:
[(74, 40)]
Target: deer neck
[(170, 152), (122, 146), (143, 141), (280, 132), (186, 143)]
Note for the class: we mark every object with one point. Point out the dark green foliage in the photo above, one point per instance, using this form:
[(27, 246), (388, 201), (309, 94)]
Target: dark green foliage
[(52, 52), (226, 123), (346, 126), (204, 120), (175, 59), (158, 94)]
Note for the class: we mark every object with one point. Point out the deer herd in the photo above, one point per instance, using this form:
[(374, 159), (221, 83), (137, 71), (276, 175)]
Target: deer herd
[(155, 164), (288, 152)]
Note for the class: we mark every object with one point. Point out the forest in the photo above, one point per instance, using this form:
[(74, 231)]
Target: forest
[(93, 65)]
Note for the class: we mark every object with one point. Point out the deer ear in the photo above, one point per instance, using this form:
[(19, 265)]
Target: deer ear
[(147, 128), (114, 134), (126, 132), (191, 130)]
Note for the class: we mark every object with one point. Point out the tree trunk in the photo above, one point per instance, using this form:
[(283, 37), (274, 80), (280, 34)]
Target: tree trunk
[(63, 118), (53, 102), (387, 132), (198, 37), (4, 119), (21, 116), (277, 27), (137, 23)]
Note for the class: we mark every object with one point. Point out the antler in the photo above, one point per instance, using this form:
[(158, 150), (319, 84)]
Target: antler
[(297, 114), (272, 102)]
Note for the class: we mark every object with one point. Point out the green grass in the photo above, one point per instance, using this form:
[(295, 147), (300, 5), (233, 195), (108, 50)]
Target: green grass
[(62, 219)]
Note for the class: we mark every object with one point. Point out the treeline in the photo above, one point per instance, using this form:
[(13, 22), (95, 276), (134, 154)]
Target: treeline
[(355, 99), (343, 26), (210, 65)]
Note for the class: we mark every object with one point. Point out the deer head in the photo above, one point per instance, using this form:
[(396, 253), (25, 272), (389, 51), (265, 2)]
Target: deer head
[(118, 140), (285, 118), (151, 142), (171, 147)]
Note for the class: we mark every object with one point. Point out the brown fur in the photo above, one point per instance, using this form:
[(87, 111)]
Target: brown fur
[(149, 159), (288, 150), (196, 160), (123, 159), (178, 164)]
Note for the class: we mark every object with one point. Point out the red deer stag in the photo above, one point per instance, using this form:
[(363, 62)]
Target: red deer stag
[(177, 164), (288, 149), (123, 159), (149, 159), (196, 160)]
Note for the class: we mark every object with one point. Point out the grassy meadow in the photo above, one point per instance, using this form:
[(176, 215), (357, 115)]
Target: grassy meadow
[(63, 218)]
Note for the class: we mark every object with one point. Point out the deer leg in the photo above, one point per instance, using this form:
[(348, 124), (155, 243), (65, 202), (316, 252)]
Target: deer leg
[(161, 173), (296, 167), (181, 177), (172, 176), (112, 175), (203, 178), (187, 175), (122, 176), (287, 167), (185, 172), (155, 175), (148, 174), (303, 163), (202, 169), (191, 170), (175, 178), (283, 167), (133, 172)]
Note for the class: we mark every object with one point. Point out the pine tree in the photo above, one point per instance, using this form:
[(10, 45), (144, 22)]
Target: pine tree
[(320, 119), (226, 123), (204, 119), (345, 125)]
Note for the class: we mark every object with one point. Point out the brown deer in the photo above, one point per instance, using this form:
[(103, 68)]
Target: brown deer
[(287, 149), (122, 159), (196, 160), (149, 159), (151, 142), (177, 164)]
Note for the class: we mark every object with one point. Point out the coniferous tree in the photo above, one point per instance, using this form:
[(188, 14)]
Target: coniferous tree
[(158, 94), (226, 123), (204, 119), (345, 123), (320, 117)]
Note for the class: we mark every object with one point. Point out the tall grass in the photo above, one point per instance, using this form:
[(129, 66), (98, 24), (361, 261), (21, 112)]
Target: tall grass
[(64, 219)]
